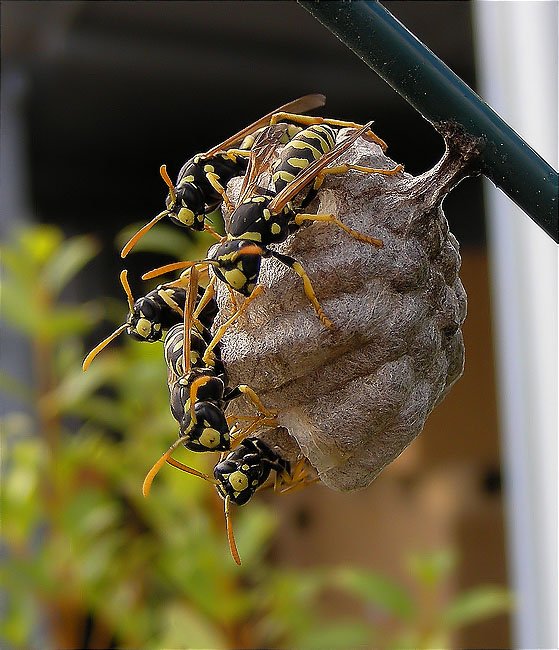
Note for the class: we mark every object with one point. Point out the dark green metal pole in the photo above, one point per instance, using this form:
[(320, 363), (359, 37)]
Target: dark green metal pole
[(431, 87)]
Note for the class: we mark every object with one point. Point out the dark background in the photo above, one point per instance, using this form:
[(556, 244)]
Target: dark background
[(114, 89)]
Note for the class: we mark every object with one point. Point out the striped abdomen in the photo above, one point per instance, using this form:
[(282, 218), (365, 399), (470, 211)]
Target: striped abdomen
[(306, 147)]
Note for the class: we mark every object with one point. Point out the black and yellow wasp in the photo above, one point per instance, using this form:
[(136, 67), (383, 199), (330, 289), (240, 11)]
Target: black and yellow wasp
[(246, 470), (198, 384), (263, 217), (199, 394), (202, 180), (159, 310)]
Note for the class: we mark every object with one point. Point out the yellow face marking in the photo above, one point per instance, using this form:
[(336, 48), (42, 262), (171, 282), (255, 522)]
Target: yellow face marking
[(209, 168), (235, 278), (256, 199), (275, 228), (238, 481), (186, 216), (266, 214), (188, 179), (143, 327), (209, 438)]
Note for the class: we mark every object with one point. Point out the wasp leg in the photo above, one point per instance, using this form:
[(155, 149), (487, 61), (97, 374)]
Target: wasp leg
[(233, 153), (213, 233), (309, 291), (208, 294), (213, 180), (299, 478), (250, 393), (342, 169), (330, 218), (170, 302), (223, 328), (310, 120)]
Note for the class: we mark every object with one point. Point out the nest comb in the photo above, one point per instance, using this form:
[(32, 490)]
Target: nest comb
[(351, 400)]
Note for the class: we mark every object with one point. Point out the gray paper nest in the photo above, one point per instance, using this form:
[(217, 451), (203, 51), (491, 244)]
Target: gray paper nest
[(351, 400)]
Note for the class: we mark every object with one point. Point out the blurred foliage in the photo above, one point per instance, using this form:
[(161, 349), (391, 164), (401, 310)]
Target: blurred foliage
[(90, 563)]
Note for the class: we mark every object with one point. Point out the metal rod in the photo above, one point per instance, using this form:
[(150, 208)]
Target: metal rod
[(431, 87)]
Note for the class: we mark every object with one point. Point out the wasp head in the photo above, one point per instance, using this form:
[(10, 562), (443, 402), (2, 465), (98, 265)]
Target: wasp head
[(208, 430), (144, 321), (245, 469), (186, 206)]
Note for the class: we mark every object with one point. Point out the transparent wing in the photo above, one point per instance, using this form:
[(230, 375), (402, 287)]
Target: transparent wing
[(300, 105), (261, 156), (305, 177)]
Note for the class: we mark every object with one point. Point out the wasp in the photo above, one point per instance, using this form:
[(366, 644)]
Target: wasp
[(201, 183), (156, 312), (199, 391), (247, 469), (263, 217)]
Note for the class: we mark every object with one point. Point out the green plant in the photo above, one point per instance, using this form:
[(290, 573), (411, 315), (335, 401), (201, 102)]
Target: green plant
[(89, 561)]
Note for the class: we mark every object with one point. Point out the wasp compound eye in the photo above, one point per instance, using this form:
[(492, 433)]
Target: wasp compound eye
[(398, 311)]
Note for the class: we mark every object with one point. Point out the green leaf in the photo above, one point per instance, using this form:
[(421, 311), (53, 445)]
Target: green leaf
[(64, 321), (40, 243), (185, 628), (19, 309), (476, 605), (69, 260), (376, 590), (336, 636), (431, 569)]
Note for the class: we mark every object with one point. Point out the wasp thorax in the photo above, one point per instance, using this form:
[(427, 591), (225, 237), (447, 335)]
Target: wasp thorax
[(353, 398)]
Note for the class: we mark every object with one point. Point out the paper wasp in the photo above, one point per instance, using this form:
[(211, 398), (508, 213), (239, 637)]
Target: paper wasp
[(262, 217), (199, 391), (156, 312), (201, 182), (247, 469)]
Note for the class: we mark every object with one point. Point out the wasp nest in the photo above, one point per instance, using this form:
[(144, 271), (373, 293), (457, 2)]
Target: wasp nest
[(352, 399)]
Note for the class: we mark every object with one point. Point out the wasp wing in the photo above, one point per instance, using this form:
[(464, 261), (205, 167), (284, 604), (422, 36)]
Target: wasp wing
[(261, 156), (300, 105), (283, 197)]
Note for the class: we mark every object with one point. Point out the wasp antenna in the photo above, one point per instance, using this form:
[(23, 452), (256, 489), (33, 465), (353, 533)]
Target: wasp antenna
[(138, 235), (126, 287), (146, 487), (253, 249), (191, 470), (175, 266), (230, 534), (87, 361), (187, 317), (168, 182), (196, 384)]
